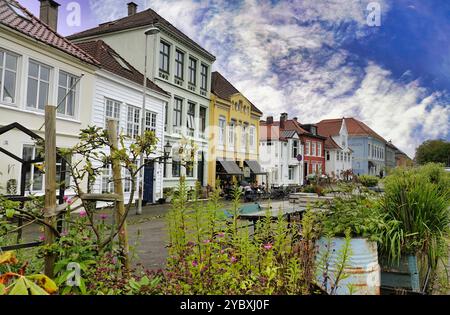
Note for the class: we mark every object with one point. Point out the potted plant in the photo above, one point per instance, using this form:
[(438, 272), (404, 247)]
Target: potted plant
[(347, 250), (416, 204)]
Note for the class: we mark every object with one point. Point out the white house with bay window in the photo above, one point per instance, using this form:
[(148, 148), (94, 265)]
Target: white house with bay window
[(278, 155), (179, 66), (118, 95), (37, 68)]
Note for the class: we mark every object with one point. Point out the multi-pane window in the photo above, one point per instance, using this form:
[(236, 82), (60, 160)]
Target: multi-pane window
[(314, 153), (177, 112), (179, 62), (8, 76), (176, 168), (369, 150), (319, 149), (38, 85), (231, 133), (150, 121), (106, 179), (291, 172), (243, 137), (34, 177), (204, 76), (127, 183), (202, 120), (191, 116), (190, 169), (164, 57), (66, 93), (308, 148), (222, 124), (192, 71), (252, 136), (133, 122), (294, 149), (112, 112)]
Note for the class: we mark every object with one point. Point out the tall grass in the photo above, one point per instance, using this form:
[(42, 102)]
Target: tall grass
[(416, 204)]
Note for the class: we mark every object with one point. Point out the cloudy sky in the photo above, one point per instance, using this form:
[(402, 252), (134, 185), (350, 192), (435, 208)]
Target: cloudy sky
[(318, 59)]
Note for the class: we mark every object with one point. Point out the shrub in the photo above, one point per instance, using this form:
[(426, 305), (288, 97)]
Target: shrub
[(368, 180)]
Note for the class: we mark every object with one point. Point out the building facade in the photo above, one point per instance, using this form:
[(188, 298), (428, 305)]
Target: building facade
[(37, 68), (233, 134), (369, 148), (118, 95), (279, 151), (179, 66)]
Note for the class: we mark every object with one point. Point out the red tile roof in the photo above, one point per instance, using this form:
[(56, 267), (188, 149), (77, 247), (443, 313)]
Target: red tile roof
[(331, 144), (331, 127), (38, 30), (106, 56), (143, 18), (291, 124), (224, 89)]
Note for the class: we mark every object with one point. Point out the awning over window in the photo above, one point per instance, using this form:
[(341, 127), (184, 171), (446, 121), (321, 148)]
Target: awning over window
[(230, 167), (255, 167)]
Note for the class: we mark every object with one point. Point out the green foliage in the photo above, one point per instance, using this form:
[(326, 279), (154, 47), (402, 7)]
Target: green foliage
[(437, 151), (416, 203), (368, 180)]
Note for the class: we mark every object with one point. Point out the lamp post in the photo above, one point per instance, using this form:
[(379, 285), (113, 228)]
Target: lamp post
[(151, 31)]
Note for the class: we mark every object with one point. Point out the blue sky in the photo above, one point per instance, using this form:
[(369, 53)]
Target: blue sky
[(319, 59)]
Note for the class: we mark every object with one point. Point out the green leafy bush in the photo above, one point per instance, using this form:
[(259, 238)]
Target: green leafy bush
[(368, 180)]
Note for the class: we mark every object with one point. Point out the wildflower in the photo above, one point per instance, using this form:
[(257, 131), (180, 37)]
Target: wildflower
[(190, 243), (65, 198), (69, 201), (194, 263), (64, 233), (82, 213), (233, 259), (103, 216), (221, 234), (42, 238), (207, 241), (268, 246)]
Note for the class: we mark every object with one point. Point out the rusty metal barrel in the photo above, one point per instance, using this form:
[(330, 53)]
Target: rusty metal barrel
[(361, 273)]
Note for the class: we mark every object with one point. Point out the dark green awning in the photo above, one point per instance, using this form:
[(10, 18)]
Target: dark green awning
[(255, 167), (231, 167)]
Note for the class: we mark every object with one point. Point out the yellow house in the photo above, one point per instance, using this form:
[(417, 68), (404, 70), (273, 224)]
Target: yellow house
[(233, 134)]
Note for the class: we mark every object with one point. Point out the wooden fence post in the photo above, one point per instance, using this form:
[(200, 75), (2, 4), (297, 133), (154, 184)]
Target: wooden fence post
[(118, 189), (50, 184)]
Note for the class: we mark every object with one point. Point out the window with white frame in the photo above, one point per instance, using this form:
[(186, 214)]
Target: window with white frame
[(231, 133), (244, 137), (191, 118), (192, 71), (8, 77), (291, 172), (34, 177), (319, 149), (164, 57), (308, 148), (295, 149), (150, 121), (67, 93), (106, 180), (133, 122), (38, 85), (204, 77), (314, 153), (112, 112), (127, 183), (179, 62), (202, 121), (177, 112), (222, 124), (252, 141)]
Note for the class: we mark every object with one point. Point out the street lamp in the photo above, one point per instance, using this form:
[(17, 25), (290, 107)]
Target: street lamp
[(151, 31)]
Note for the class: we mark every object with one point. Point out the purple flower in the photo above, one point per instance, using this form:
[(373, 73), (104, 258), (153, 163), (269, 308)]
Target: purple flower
[(190, 243), (221, 234), (194, 263), (207, 241), (64, 233), (233, 259), (103, 216), (268, 246), (65, 198), (82, 213), (69, 201), (42, 238)]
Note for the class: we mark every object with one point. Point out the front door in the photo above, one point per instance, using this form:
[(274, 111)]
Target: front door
[(149, 171), (200, 168)]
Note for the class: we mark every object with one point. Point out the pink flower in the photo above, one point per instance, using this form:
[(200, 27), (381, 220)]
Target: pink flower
[(222, 251), (42, 238), (103, 216), (83, 213), (65, 198), (233, 259), (194, 263), (221, 234), (69, 201), (268, 246), (64, 233), (207, 241)]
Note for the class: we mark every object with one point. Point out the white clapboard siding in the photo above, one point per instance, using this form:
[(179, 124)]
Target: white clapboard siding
[(128, 94)]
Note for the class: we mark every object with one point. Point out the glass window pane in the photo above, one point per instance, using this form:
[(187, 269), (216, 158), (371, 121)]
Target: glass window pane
[(9, 89), (43, 95), (33, 69), (62, 79), (32, 93), (11, 62), (61, 94), (70, 103), (45, 73)]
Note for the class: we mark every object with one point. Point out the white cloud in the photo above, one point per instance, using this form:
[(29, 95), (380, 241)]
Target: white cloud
[(286, 57)]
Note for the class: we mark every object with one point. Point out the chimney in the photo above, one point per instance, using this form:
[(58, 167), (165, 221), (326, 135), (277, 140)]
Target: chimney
[(49, 13), (132, 8), (269, 120), (283, 118), (296, 119)]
